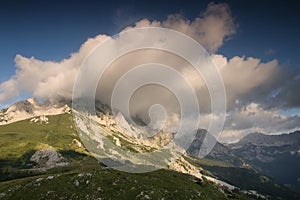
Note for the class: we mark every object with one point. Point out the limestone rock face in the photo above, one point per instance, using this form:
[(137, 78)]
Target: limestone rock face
[(47, 159), (31, 108)]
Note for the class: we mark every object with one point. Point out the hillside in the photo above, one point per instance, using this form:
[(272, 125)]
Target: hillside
[(219, 152), (277, 156), (81, 176), (44, 156), (95, 182)]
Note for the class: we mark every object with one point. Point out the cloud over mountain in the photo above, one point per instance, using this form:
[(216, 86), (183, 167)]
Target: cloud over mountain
[(47, 79), (256, 91)]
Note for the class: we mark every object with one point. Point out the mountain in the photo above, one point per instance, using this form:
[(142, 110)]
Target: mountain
[(42, 157), (219, 152), (259, 139), (225, 163), (277, 156), (30, 108)]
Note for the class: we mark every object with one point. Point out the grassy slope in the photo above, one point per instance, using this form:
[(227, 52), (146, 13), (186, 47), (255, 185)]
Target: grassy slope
[(110, 184), (20, 137), (19, 141)]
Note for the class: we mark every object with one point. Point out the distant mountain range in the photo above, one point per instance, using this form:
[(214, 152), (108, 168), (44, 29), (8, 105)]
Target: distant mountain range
[(259, 139), (277, 156)]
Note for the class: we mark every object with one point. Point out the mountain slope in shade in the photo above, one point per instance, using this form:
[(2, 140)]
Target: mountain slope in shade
[(254, 156), (97, 182), (277, 156), (219, 152)]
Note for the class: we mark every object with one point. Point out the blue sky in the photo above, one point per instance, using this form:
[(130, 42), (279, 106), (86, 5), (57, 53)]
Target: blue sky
[(51, 30), (266, 31)]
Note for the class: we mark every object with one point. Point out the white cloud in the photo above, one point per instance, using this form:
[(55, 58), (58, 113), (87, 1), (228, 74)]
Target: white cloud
[(248, 81), (253, 118), (210, 30), (46, 79), (243, 75), (9, 89)]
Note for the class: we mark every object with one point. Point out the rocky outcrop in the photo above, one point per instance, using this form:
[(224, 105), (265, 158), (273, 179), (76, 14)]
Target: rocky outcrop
[(42, 119), (47, 159), (183, 166), (31, 108)]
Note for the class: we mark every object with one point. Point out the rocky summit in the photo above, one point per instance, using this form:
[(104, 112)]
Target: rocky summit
[(31, 108)]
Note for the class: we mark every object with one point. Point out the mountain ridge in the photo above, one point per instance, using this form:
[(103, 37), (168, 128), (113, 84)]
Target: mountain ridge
[(29, 108), (277, 156), (272, 140), (223, 158)]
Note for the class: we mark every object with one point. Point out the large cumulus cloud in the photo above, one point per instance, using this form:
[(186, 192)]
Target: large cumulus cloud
[(256, 91), (47, 79)]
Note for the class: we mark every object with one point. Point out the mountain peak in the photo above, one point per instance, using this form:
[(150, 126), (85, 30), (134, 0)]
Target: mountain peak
[(261, 139), (33, 101), (29, 108)]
